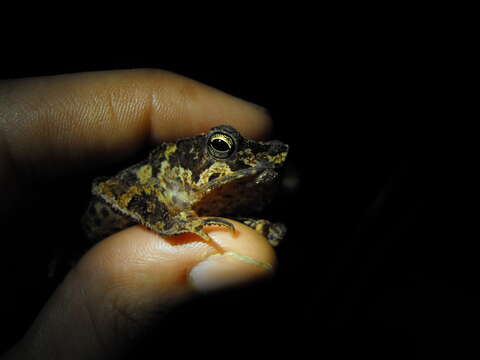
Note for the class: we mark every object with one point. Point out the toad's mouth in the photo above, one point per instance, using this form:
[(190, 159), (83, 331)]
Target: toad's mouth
[(239, 193), (258, 174)]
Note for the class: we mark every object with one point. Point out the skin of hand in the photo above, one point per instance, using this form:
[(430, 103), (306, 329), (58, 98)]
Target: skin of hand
[(52, 125)]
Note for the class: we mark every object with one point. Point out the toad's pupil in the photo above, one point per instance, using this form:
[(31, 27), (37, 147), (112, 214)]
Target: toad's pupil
[(220, 145)]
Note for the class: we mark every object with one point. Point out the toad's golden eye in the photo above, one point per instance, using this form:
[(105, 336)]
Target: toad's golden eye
[(221, 145)]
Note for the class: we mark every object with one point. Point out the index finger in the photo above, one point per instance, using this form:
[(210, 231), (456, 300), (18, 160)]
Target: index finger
[(58, 123)]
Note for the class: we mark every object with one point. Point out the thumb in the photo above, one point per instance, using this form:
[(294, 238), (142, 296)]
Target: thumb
[(126, 282)]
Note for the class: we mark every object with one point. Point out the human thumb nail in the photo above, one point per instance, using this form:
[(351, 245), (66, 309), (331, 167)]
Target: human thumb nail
[(225, 270)]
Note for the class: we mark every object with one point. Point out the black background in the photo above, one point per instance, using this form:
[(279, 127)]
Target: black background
[(374, 263)]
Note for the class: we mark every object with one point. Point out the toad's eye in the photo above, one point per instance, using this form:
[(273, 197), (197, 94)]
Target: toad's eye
[(221, 145)]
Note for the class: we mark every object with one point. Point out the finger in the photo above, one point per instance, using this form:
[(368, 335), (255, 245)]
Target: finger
[(62, 122), (127, 281)]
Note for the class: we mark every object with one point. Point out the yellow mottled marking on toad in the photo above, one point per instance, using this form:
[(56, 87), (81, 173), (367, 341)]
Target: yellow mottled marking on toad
[(144, 174), (171, 148), (174, 174), (125, 198), (247, 157), (277, 159), (220, 168)]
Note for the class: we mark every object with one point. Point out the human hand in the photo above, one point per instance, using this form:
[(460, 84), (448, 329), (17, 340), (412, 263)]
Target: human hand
[(51, 125)]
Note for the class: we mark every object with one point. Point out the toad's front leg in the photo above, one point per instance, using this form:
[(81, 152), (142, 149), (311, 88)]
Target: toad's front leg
[(190, 222)]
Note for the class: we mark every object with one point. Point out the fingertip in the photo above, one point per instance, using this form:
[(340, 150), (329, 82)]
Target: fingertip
[(143, 265), (200, 107), (247, 257), (127, 281), (245, 241), (137, 250), (67, 120)]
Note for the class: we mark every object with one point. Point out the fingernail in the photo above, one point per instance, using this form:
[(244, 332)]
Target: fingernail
[(225, 270)]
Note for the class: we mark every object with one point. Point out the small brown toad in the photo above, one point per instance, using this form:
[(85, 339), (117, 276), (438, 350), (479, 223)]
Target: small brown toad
[(184, 186)]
